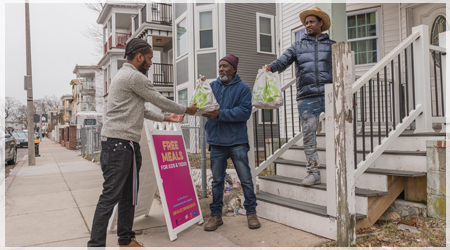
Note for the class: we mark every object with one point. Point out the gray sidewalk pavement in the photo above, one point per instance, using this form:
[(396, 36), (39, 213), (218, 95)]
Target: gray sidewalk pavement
[(52, 205)]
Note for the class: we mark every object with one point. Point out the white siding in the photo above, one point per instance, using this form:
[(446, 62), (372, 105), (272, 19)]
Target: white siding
[(290, 21), (392, 31)]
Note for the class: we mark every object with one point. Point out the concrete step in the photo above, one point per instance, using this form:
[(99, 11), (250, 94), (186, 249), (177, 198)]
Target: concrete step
[(377, 182), (390, 159), (372, 179), (316, 194), (406, 141), (297, 214)]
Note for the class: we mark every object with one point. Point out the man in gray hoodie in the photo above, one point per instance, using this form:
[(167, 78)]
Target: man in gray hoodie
[(120, 156)]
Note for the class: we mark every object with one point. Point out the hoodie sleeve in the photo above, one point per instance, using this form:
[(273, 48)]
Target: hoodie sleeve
[(242, 111), (284, 60)]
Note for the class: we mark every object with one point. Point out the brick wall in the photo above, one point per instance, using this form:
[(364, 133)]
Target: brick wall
[(61, 136), (72, 137), (66, 137)]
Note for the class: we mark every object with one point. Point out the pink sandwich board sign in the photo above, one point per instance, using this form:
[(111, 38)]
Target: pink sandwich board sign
[(165, 165)]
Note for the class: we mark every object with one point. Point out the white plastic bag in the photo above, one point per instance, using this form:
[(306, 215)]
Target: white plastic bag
[(204, 97), (267, 90)]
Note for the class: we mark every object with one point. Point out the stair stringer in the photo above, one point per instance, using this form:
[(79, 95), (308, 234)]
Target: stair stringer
[(379, 204)]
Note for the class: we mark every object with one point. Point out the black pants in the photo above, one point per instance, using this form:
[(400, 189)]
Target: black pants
[(117, 165)]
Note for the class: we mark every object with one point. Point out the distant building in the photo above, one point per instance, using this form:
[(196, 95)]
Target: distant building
[(66, 109), (151, 22)]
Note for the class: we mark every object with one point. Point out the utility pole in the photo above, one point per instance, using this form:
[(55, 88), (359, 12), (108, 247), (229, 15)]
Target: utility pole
[(31, 156)]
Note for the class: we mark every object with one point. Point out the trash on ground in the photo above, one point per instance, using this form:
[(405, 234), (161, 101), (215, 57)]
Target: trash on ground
[(404, 227)]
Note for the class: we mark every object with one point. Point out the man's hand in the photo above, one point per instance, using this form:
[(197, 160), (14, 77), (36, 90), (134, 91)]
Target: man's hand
[(267, 67), (191, 110), (211, 115), (174, 118)]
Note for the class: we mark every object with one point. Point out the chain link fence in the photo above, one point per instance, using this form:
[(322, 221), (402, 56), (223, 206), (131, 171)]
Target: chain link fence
[(90, 142), (190, 128)]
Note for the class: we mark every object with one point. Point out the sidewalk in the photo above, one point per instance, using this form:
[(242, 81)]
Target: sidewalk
[(52, 205)]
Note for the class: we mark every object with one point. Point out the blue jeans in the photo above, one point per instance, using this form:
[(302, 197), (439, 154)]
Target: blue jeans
[(309, 110), (238, 154)]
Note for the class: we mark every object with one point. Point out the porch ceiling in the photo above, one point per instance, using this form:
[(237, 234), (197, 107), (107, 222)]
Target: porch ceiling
[(164, 41)]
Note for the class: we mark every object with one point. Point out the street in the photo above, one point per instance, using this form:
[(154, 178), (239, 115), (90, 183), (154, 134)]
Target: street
[(21, 152)]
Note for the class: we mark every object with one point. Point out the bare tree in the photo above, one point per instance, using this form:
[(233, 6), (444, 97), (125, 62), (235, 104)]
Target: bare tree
[(22, 115), (52, 102), (11, 106), (94, 31)]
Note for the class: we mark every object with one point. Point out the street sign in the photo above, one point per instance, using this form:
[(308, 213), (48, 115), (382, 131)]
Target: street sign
[(44, 118), (165, 165)]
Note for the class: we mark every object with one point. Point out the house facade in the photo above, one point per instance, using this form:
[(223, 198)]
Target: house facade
[(66, 109), (149, 21), (374, 30), (206, 32), (153, 24), (385, 106)]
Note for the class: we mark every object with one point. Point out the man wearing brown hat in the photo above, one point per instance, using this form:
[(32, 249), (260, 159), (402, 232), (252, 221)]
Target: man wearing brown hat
[(226, 133), (312, 57), (121, 156)]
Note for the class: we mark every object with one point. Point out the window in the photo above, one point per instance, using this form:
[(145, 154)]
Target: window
[(136, 22), (206, 30), (265, 33), (182, 42), (267, 118), (298, 34), (144, 14), (362, 32), (207, 65), (183, 100), (437, 28)]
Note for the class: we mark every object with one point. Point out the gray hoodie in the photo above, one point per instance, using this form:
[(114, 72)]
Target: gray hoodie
[(129, 91)]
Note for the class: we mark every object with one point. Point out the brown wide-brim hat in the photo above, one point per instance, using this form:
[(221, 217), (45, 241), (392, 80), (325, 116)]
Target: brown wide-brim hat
[(314, 11)]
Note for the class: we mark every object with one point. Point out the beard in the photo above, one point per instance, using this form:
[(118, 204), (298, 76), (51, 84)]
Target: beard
[(225, 78), (143, 68)]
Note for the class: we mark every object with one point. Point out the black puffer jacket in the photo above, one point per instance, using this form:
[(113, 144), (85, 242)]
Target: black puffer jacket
[(312, 59)]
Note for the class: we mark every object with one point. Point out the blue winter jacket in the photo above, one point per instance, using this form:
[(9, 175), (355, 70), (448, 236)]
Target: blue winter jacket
[(313, 64), (235, 100)]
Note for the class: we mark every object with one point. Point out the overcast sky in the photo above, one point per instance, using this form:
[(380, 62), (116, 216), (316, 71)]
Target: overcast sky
[(57, 45)]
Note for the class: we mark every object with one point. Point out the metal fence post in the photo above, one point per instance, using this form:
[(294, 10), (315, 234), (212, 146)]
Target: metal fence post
[(203, 153)]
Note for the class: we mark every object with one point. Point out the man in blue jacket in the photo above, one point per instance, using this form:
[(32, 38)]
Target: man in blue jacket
[(312, 57), (226, 133)]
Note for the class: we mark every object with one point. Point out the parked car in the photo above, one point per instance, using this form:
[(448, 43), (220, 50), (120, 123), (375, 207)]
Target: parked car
[(10, 148), (21, 138)]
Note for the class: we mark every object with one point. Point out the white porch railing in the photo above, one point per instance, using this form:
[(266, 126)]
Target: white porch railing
[(396, 91), (265, 148)]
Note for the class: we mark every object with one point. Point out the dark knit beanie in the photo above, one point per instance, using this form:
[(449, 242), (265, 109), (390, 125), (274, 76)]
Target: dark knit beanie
[(232, 59), (135, 44)]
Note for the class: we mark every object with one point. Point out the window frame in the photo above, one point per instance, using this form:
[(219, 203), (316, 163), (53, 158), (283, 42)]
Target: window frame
[(274, 116), (272, 30), (378, 32), (185, 88), (293, 31), (181, 19), (143, 10), (206, 8)]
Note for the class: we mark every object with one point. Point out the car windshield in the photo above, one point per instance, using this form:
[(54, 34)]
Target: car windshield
[(20, 135)]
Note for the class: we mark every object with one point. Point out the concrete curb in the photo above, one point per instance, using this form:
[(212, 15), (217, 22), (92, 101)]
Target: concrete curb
[(12, 175)]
